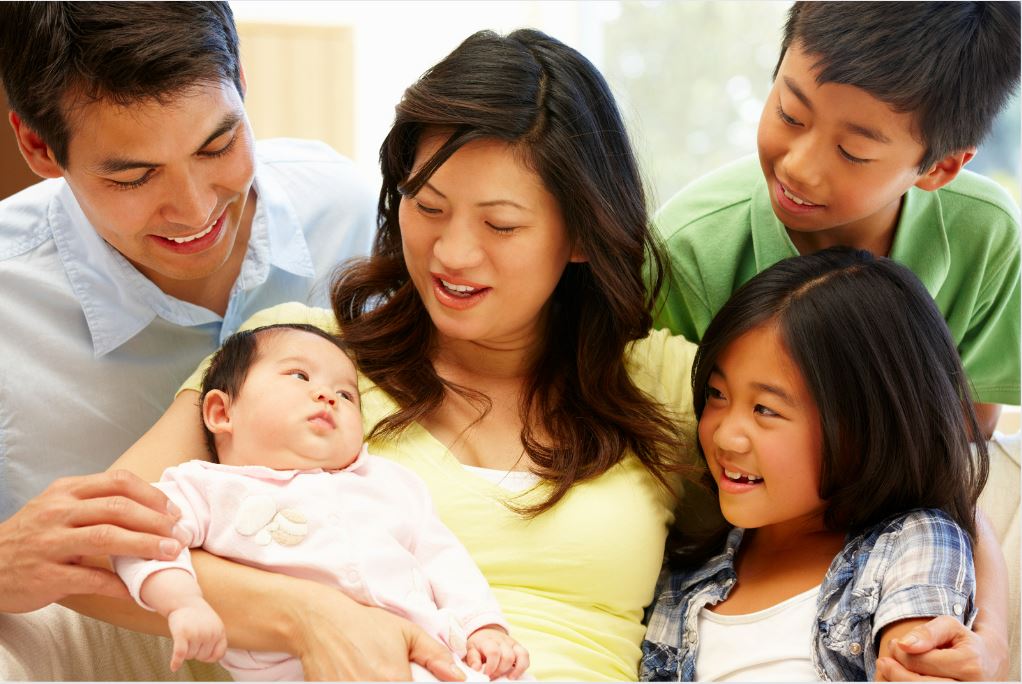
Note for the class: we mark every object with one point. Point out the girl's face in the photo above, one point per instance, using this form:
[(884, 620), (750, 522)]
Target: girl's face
[(760, 432), (485, 244)]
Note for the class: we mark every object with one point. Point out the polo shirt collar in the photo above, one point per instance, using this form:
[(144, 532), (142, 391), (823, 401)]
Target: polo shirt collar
[(926, 252), (929, 258), (119, 302), (770, 241)]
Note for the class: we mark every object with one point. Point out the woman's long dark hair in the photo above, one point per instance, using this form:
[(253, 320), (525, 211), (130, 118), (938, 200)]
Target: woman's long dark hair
[(554, 108), (895, 407)]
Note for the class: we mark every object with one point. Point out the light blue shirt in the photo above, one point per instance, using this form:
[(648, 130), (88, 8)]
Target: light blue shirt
[(91, 351)]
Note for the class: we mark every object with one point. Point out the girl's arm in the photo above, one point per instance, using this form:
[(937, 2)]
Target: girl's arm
[(334, 636)]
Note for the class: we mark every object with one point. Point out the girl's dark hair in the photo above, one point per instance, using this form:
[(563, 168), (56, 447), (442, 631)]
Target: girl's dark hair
[(556, 111), (879, 361), (953, 65), (57, 55), (231, 363)]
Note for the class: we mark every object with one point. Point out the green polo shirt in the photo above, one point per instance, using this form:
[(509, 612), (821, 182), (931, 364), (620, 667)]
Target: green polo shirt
[(962, 241)]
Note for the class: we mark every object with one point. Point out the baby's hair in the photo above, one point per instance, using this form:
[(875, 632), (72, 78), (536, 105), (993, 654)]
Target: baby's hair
[(953, 65), (878, 359), (231, 363)]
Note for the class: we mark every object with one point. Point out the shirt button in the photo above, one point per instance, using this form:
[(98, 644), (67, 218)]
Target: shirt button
[(855, 649), (351, 575), (958, 609)]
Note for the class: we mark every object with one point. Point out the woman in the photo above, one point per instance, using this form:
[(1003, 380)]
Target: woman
[(501, 327)]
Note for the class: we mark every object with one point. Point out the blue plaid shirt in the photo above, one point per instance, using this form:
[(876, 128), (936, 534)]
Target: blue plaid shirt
[(915, 565)]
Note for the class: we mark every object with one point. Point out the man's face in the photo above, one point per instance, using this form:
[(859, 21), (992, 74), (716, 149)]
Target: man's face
[(167, 184)]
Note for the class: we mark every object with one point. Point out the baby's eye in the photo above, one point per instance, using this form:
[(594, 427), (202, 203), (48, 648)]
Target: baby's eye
[(346, 395), (300, 374)]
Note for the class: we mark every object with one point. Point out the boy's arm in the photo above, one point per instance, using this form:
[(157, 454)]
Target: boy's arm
[(944, 647), (987, 416)]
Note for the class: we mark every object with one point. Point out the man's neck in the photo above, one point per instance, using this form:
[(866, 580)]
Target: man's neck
[(214, 291)]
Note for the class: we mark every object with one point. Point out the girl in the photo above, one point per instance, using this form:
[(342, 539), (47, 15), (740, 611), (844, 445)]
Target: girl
[(835, 419)]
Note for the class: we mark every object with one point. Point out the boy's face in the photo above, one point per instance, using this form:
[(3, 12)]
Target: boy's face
[(298, 407), (835, 158), (167, 184)]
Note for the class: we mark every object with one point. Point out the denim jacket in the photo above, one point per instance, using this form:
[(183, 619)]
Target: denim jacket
[(914, 565)]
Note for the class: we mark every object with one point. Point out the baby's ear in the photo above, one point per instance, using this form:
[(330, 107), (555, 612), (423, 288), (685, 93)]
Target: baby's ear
[(216, 411), (945, 170)]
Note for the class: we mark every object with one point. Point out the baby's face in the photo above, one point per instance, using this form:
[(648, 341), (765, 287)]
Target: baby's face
[(298, 407)]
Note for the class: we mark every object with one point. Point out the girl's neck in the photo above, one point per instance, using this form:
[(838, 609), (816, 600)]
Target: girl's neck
[(778, 562)]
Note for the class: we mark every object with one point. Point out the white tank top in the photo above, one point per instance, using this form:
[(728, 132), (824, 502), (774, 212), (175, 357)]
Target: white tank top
[(770, 645), (511, 480)]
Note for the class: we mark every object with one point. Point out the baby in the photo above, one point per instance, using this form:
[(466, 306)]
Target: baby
[(294, 490)]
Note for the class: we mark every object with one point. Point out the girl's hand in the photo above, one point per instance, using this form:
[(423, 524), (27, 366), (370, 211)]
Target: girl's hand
[(198, 633), (944, 649), (338, 638), (494, 653)]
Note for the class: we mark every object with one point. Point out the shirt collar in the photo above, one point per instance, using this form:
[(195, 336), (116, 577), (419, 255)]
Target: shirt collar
[(261, 472), (119, 302), (929, 258)]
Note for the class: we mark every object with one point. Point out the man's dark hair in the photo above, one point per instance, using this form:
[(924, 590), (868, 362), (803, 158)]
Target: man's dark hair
[(57, 56), (231, 363), (951, 64)]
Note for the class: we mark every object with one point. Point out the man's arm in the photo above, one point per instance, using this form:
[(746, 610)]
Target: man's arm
[(943, 647)]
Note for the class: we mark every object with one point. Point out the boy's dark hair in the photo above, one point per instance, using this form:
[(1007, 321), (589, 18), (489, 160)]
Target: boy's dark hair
[(231, 363), (881, 366), (952, 64), (56, 56)]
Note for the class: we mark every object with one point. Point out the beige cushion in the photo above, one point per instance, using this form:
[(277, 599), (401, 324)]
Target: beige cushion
[(1000, 501), (56, 643)]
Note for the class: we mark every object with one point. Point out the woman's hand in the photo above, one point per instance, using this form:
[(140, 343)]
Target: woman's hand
[(338, 638)]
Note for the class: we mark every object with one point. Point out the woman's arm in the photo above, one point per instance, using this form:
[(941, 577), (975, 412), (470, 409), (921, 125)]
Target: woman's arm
[(334, 636)]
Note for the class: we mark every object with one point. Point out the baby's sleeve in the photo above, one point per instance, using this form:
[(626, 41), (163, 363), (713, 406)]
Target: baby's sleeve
[(930, 572), (458, 585), (183, 486)]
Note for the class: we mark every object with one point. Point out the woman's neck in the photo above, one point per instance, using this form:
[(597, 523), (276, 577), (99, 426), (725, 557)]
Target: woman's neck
[(467, 362)]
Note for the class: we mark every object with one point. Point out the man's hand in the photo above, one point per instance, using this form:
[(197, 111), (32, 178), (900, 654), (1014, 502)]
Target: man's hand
[(493, 652), (198, 633), (41, 546), (943, 649)]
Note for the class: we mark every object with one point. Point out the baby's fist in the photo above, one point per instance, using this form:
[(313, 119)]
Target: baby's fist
[(494, 653), (198, 633)]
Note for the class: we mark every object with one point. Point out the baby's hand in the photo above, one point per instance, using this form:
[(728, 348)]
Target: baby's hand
[(198, 633), (494, 653)]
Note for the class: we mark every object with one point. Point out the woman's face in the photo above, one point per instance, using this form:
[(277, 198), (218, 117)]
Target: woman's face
[(484, 243)]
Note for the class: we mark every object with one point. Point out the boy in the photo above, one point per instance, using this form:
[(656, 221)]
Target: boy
[(875, 109), (162, 226), (293, 488)]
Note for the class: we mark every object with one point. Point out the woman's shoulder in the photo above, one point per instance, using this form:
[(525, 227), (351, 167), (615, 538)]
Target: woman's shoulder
[(292, 312), (660, 364)]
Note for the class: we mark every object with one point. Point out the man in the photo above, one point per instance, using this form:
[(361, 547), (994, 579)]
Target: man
[(162, 226)]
